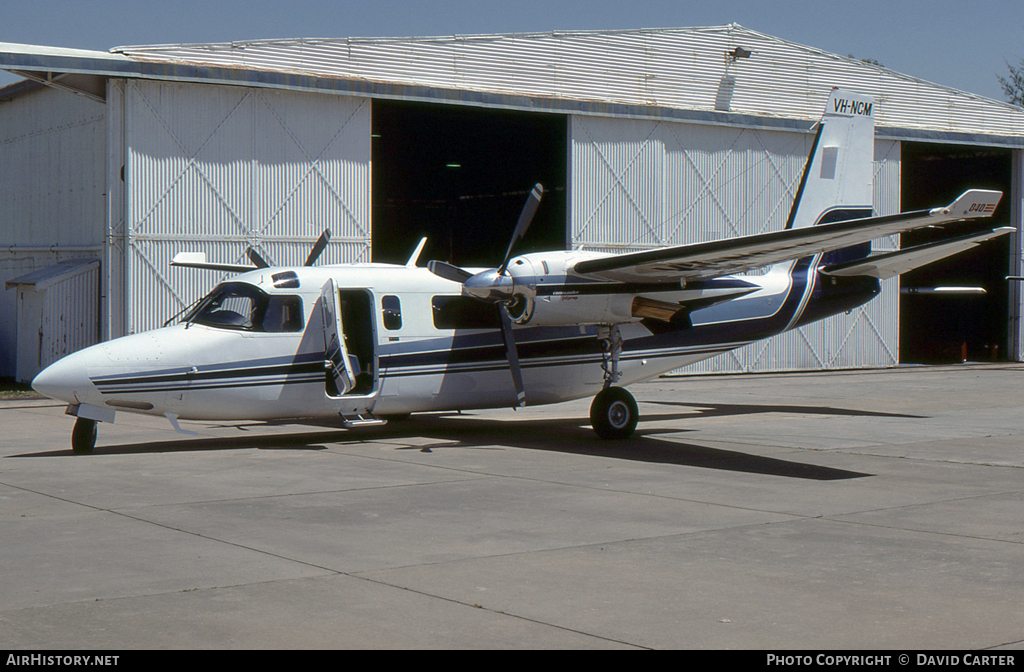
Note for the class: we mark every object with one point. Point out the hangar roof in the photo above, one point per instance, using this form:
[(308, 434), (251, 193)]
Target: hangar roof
[(718, 75)]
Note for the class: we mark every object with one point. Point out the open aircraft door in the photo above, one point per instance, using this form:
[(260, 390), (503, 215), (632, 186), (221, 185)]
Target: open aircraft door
[(351, 371)]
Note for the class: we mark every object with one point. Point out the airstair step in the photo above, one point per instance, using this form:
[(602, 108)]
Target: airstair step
[(361, 420)]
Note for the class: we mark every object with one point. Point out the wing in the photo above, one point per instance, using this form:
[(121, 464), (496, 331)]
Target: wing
[(198, 260), (738, 255)]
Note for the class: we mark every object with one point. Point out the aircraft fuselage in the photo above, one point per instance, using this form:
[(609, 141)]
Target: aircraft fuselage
[(417, 344)]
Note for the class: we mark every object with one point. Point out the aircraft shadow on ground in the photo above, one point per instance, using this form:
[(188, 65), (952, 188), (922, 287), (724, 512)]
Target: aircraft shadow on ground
[(714, 410), (566, 435)]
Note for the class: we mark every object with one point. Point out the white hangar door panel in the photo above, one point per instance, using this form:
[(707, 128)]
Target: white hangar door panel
[(617, 170), (640, 184), (218, 169)]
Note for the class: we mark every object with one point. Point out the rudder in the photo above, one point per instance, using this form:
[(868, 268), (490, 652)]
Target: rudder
[(837, 183)]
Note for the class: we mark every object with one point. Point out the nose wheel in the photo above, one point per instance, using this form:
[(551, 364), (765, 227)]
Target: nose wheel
[(614, 413), (83, 436)]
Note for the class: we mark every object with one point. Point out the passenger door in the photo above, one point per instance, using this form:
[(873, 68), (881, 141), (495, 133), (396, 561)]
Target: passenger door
[(350, 352), (341, 378)]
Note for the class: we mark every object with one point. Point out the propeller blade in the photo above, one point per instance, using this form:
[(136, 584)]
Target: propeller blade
[(318, 248), (525, 217), (448, 271), (512, 354), (255, 257)]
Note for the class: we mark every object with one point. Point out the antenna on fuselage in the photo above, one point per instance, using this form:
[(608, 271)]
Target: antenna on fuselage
[(416, 253)]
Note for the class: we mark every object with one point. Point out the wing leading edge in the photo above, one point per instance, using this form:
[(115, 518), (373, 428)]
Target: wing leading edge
[(738, 255)]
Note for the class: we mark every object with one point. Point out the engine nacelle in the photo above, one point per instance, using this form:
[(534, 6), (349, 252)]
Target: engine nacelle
[(569, 309), (546, 294)]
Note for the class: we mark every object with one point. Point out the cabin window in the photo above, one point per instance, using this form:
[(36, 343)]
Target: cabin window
[(391, 307), (463, 312), (284, 313), (239, 305), (286, 280)]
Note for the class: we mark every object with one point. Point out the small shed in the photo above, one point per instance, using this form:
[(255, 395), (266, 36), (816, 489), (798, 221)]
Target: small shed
[(58, 313)]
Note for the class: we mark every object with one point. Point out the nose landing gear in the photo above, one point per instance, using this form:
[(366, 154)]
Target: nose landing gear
[(83, 436)]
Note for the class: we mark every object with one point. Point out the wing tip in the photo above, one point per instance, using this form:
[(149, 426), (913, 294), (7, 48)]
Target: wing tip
[(973, 204)]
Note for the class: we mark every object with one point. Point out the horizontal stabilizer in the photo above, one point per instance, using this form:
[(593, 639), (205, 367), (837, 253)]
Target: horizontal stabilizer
[(944, 291), (891, 264), (198, 260)]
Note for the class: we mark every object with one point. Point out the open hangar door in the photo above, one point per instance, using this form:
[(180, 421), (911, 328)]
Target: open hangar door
[(460, 176), (939, 328)]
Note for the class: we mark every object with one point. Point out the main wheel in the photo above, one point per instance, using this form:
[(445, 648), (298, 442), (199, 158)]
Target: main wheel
[(83, 436), (614, 413)]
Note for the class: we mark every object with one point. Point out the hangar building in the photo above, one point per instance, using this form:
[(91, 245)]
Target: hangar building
[(642, 138)]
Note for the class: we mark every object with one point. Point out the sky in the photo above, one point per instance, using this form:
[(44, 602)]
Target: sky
[(964, 44)]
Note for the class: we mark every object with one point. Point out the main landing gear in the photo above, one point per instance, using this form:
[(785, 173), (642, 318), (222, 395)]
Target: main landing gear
[(614, 413), (83, 436)]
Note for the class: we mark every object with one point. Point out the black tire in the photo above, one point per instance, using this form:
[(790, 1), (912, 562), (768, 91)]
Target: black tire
[(83, 437), (614, 413)]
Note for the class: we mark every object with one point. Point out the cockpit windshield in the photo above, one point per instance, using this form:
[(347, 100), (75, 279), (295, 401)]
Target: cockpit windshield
[(239, 305)]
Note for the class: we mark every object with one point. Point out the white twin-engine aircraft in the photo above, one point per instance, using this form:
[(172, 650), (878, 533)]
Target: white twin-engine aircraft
[(370, 341)]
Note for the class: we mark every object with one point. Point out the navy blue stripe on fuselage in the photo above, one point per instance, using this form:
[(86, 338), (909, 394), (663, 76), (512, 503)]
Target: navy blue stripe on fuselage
[(469, 353), (485, 351), (272, 371)]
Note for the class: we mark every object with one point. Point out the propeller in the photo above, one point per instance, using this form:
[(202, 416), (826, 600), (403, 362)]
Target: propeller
[(496, 286), (448, 271), (256, 258), (321, 243), (512, 354), (525, 217), (318, 248)]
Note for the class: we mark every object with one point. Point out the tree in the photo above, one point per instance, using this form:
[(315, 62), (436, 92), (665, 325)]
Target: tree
[(1013, 86), (869, 61)]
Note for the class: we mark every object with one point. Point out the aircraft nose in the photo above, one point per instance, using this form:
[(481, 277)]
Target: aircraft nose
[(64, 379)]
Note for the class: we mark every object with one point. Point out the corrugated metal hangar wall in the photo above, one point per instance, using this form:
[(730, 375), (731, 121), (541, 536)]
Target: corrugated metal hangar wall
[(52, 206), (168, 151), (216, 169), (642, 184)]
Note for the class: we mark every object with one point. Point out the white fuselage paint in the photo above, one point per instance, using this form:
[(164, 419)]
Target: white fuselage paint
[(194, 371)]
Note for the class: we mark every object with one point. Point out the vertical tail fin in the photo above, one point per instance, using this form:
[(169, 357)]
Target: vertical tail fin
[(837, 181)]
